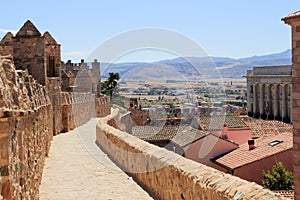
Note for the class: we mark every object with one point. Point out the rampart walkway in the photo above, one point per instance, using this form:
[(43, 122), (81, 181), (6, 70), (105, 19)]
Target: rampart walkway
[(78, 169)]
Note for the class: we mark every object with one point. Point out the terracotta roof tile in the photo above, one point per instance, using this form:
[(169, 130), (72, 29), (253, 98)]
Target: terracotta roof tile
[(243, 156), (289, 194), (263, 128), (217, 122), (292, 15), (188, 136), (157, 133)]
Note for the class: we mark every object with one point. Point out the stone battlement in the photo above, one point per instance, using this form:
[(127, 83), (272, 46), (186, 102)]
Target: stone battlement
[(26, 131), (20, 93), (158, 168), (38, 99)]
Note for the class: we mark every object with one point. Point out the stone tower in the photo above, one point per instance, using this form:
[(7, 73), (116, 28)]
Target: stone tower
[(294, 21), (96, 70), (39, 54)]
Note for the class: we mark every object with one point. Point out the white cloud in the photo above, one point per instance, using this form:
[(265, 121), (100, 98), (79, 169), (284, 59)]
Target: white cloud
[(76, 53), (6, 30), (75, 56)]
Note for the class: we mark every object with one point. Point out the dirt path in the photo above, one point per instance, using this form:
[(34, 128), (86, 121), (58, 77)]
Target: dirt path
[(78, 169)]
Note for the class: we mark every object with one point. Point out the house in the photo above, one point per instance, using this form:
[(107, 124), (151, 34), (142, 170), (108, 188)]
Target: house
[(249, 164), (187, 141), (157, 135), (200, 146), (230, 127)]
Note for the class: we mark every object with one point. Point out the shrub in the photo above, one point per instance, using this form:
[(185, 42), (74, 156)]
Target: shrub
[(279, 178)]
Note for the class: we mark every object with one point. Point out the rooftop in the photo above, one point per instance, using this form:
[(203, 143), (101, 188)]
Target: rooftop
[(289, 194), (157, 133), (263, 128), (217, 122), (243, 156), (292, 15), (188, 136)]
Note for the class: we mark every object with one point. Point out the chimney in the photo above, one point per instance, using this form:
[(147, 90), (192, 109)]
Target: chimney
[(251, 144)]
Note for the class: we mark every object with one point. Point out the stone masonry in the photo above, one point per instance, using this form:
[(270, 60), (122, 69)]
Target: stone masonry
[(26, 131), (294, 21), (34, 106)]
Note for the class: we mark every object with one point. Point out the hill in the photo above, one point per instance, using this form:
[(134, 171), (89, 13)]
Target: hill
[(193, 67)]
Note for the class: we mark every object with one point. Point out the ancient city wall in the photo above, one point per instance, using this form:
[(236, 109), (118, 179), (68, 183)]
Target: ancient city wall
[(168, 175), (30, 114), (26, 131), (103, 106), (77, 108)]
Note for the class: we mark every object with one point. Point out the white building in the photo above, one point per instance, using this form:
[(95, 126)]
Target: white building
[(269, 92)]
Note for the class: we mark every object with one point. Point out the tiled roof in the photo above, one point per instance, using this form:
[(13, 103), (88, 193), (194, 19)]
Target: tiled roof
[(292, 15), (157, 133), (243, 156), (289, 194), (263, 128), (217, 122), (188, 136)]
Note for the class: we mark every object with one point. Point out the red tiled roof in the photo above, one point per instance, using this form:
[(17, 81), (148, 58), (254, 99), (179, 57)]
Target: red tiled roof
[(263, 128), (157, 133), (292, 15), (243, 156), (188, 136), (289, 194), (217, 122)]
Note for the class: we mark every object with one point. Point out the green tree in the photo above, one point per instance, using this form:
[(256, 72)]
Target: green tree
[(279, 178), (108, 86)]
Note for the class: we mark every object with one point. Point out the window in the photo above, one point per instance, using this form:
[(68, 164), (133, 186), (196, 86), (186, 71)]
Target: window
[(298, 44), (275, 142), (51, 67), (297, 28)]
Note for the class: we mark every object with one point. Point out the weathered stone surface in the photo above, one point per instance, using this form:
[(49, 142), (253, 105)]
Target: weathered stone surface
[(102, 106), (294, 21), (170, 176), (30, 114), (26, 132), (83, 171), (33, 108)]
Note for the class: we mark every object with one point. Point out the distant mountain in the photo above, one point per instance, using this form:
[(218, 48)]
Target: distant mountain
[(277, 56), (193, 67), (196, 59)]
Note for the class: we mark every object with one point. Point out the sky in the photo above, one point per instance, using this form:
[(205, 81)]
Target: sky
[(232, 28)]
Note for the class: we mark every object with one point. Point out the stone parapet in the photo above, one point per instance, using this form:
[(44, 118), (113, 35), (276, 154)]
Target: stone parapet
[(20, 93), (26, 131), (169, 176), (103, 106), (77, 109)]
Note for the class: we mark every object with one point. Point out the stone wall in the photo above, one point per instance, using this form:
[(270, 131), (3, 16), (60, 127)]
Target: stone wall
[(6, 50), (54, 91), (103, 106), (294, 20), (139, 117), (170, 176), (25, 134), (77, 109)]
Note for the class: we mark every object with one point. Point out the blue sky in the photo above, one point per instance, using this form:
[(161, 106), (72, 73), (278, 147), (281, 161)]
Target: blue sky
[(232, 28)]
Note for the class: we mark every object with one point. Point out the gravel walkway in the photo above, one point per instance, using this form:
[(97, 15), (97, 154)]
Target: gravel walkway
[(78, 169)]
